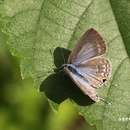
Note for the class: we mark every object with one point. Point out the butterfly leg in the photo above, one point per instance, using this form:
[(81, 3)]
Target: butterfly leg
[(95, 98)]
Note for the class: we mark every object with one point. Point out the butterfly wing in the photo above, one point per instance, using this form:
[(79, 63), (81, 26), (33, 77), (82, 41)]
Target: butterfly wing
[(83, 85), (96, 71), (90, 45), (88, 60)]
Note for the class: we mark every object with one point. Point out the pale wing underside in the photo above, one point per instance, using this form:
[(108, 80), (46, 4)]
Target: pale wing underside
[(90, 45), (83, 85), (96, 71)]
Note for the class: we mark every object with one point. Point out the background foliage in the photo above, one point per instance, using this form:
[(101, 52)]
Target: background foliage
[(38, 34)]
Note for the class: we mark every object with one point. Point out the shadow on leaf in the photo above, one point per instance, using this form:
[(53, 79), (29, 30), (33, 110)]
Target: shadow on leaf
[(59, 86)]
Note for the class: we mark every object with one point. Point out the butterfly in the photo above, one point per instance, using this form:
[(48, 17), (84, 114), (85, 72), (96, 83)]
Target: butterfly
[(87, 65)]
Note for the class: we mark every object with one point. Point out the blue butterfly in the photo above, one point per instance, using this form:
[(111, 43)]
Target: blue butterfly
[(87, 65)]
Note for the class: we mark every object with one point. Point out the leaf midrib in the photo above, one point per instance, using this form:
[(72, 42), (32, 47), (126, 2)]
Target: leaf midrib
[(76, 26)]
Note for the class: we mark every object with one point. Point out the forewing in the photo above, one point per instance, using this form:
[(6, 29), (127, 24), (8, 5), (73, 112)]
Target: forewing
[(83, 85), (96, 71), (90, 45)]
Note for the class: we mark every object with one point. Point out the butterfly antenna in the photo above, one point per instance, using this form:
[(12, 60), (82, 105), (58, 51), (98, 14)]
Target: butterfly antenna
[(51, 53), (105, 101)]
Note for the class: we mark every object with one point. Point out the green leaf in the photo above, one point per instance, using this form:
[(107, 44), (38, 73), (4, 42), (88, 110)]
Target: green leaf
[(36, 28)]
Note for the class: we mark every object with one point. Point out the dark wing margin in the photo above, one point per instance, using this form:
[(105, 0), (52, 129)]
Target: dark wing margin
[(90, 45)]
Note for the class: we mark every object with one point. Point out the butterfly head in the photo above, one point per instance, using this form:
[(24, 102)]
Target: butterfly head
[(63, 67)]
